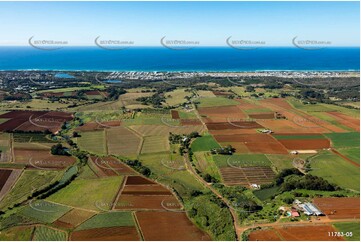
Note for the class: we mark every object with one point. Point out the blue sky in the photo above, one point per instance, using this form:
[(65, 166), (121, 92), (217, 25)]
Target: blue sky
[(210, 23)]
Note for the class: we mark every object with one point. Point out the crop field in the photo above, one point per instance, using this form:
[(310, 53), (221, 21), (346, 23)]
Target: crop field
[(204, 143), (346, 120), (255, 143), (341, 140), (222, 112), (164, 130), (109, 166), (43, 233), (155, 144), (130, 98), (233, 124), (352, 153), (109, 219), (175, 114), (34, 120), (8, 177), (353, 227), (124, 233), (215, 101), (93, 141), (42, 159), (205, 163), (122, 141), (241, 160), (168, 226), (31, 137), (73, 218), (88, 193), (246, 176), (44, 211), (296, 232), (340, 207), (28, 182), (303, 142), (20, 233), (336, 170), (262, 115)]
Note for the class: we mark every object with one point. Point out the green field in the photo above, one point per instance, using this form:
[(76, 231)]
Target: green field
[(29, 137), (349, 227), (266, 193), (352, 153), (215, 101), (304, 137), (241, 160), (44, 211), (281, 162), (205, 163), (340, 140), (187, 115), (29, 181), (93, 141), (112, 219), (204, 143), (88, 193), (154, 144), (43, 233), (336, 170)]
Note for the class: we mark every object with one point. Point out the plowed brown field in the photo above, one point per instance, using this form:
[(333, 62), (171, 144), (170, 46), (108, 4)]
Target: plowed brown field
[(168, 226), (305, 144), (339, 207)]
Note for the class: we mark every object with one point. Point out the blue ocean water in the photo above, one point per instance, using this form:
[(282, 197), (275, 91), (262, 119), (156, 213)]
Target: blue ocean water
[(196, 59)]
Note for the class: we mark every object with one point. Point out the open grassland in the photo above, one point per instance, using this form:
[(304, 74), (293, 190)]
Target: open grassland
[(93, 141), (122, 141), (351, 153), (44, 211), (340, 140), (155, 144), (187, 115), (281, 162), (37, 104), (204, 143), (336, 170), (353, 227), (176, 97), (88, 193), (17, 234), (29, 181), (202, 93), (111, 219), (43, 233), (215, 101)]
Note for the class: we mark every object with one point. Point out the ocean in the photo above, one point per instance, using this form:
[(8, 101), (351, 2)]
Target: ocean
[(217, 59)]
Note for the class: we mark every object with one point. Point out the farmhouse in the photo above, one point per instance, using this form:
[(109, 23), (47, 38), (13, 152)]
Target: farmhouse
[(310, 209)]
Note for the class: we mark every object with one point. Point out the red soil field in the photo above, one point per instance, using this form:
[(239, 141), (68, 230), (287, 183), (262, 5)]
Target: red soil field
[(277, 101), (339, 207), (145, 190), (92, 126), (138, 180), (185, 122), (296, 233), (263, 235), (262, 116), (222, 112), (175, 114), (42, 159), (62, 224), (346, 120), (287, 126), (244, 105), (4, 175), (256, 143), (305, 144), (106, 234), (131, 202), (220, 93), (168, 226), (247, 175), (34, 120), (234, 125), (233, 131), (118, 166)]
